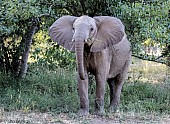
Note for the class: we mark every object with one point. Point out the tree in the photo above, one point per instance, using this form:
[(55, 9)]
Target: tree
[(21, 19), (148, 20), (19, 22)]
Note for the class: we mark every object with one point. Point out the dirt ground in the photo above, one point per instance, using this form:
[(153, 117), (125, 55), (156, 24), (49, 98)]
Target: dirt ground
[(18, 117)]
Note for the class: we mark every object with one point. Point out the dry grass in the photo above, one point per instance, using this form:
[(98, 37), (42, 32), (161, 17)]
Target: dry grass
[(148, 71)]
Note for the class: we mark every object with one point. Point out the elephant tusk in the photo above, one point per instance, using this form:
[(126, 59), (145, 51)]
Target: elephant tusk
[(89, 41), (86, 41), (72, 40)]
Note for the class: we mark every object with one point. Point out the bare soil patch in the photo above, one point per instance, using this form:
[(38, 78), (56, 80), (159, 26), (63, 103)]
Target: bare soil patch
[(19, 117)]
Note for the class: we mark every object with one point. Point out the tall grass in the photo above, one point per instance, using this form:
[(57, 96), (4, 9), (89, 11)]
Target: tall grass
[(44, 89)]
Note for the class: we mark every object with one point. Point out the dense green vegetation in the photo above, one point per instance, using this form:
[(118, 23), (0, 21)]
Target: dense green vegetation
[(49, 82)]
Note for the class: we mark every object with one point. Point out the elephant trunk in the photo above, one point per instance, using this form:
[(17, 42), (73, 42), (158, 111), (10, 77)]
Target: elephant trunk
[(79, 46)]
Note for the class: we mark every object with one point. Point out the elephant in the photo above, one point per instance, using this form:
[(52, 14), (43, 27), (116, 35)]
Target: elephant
[(102, 49)]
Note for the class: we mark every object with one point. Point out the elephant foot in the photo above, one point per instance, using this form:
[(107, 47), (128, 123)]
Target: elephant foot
[(99, 107), (113, 108), (99, 112), (83, 112)]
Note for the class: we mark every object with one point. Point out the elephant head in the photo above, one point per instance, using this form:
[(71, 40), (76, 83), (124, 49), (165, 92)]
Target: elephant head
[(73, 32)]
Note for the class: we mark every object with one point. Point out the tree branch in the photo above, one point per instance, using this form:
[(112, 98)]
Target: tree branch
[(153, 60)]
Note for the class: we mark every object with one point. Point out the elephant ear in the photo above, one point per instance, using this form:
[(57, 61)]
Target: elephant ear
[(110, 32), (61, 32)]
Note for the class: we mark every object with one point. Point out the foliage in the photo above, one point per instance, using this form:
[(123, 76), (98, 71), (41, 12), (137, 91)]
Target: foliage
[(46, 52), (16, 20), (144, 21), (15, 16)]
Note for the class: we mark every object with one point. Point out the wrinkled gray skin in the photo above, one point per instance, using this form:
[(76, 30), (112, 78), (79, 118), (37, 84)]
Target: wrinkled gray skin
[(107, 57)]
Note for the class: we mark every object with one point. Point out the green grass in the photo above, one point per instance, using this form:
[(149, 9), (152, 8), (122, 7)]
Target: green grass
[(56, 90), (42, 90), (146, 97)]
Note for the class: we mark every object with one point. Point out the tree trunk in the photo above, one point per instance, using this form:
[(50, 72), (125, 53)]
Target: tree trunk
[(168, 68), (6, 58), (28, 41), (168, 61), (16, 60)]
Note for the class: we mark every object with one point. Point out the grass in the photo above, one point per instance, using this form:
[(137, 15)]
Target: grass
[(42, 90), (146, 97), (48, 90)]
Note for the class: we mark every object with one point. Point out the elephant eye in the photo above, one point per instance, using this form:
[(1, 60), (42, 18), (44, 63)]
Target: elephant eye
[(91, 29)]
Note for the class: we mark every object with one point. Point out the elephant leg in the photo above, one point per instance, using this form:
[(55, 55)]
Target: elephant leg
[(115, 85), (100, 91), (83, 94)]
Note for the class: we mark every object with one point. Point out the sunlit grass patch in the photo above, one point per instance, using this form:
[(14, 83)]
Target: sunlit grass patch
[(148, 71)]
